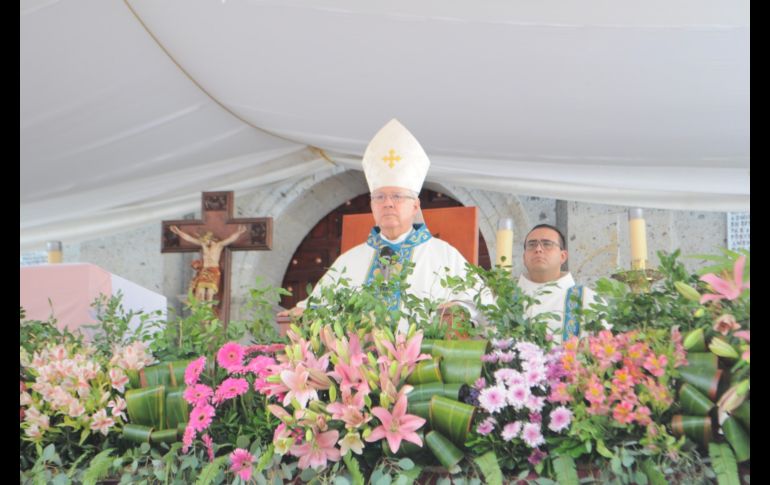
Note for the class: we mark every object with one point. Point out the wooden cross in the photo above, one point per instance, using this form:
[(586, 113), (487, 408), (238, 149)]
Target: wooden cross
[(217, 215), (392, 157)]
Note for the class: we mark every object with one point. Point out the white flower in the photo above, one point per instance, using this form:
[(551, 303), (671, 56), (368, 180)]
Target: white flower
[(511, 430), (492, 399)]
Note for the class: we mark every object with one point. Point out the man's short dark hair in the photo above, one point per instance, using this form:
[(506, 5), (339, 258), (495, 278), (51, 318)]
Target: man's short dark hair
[(562, 240)]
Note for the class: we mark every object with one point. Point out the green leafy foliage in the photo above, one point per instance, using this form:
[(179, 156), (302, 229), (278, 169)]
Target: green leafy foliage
[(565, 470), (723, 461)]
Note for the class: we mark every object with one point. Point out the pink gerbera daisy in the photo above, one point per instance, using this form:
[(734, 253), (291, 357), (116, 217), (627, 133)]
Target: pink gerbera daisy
[(193, 371), (230, 357), (200, 417), (198, 394), (241, 461), (230, 388)]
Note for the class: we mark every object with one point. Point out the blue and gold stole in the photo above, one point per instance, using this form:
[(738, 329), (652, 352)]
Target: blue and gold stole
[(401, 252), (571, 324)]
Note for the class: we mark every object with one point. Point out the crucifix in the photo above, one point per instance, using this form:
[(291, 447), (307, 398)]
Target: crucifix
[(216, 236)]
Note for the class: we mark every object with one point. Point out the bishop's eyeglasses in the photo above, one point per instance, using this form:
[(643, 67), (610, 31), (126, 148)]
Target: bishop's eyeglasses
[(396, 198)]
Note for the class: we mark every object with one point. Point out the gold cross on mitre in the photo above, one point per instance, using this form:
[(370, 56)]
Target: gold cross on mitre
[(392, 157)]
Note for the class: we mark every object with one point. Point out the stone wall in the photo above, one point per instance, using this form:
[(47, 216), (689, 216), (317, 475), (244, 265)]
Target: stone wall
[(597, 234)]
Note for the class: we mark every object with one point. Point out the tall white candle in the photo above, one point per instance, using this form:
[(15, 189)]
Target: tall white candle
[(638, 232), (504, 253)]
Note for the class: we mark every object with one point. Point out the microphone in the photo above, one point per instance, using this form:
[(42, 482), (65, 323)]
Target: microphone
[(387, 253)]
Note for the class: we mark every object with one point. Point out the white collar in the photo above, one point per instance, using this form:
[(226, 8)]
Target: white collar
[(565, 281), (399, 239)]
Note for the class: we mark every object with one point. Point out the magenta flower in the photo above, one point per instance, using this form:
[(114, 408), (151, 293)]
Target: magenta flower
[(317, 451), (230, 357), (536, 456), (396, 426), (230, 388), (561, 417), (241, 461), (200, 417), (258, 365), (198, 394), (193, 371), (725, 288)]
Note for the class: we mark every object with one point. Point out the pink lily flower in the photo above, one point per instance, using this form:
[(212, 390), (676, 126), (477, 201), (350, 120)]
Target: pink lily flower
[(349, 410), (317, 451), (350, 377), (405, 352), (724, 288), (297, 383), (396, 426)]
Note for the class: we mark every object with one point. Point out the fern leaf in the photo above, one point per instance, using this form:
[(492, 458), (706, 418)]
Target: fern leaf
[(355, 472), (210, 471), (98, 468)]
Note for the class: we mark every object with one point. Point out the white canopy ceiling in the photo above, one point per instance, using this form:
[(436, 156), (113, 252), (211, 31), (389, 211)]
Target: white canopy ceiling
[(130, 109)]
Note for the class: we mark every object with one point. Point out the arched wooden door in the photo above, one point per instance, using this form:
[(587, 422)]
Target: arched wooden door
[(321, 246)]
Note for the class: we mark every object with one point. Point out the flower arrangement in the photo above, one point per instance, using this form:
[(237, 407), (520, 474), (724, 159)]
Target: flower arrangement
[(521, 410), (338, 395), (225, 392), (719, 358), (72, 389), (620, 388)]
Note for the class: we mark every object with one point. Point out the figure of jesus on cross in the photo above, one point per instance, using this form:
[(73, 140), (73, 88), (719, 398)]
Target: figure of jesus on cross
[(205, 284), (215, 236)]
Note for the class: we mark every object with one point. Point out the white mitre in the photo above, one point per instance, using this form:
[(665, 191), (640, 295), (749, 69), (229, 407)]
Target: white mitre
[(394, 158)]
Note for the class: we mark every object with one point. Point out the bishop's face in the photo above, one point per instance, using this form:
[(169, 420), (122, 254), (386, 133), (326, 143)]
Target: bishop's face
[(394, 209)]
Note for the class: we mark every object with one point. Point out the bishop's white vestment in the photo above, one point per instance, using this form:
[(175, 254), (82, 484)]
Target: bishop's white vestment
[(430, 257)]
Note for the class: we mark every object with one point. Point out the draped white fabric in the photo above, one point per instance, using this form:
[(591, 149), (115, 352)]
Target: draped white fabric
[(129, 110)]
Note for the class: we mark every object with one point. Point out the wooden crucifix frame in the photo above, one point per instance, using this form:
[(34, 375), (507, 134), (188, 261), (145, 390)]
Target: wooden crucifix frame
[(217, 218)]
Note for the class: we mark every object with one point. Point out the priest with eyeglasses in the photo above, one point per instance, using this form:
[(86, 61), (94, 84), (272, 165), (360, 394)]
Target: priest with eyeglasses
[(545, 251), (395, 166)]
